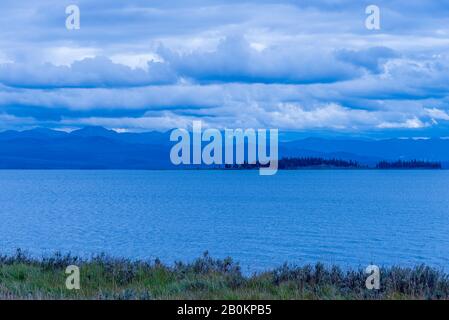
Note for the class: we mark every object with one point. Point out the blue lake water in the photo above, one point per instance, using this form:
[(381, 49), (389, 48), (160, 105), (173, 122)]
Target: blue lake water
[(352, 218)]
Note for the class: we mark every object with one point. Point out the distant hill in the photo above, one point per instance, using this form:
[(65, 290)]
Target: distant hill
[(99, 148), (88, 148), (371, 151)]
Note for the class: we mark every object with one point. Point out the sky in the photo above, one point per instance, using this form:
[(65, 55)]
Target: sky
[(307, 67)]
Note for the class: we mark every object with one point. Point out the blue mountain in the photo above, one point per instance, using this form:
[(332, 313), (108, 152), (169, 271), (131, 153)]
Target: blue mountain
[(100, 148)]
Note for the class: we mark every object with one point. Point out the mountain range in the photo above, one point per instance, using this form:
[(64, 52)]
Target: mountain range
[(100, 148)]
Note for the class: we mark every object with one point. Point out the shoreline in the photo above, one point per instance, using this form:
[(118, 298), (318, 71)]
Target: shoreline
[(220, 169), (103, 277)]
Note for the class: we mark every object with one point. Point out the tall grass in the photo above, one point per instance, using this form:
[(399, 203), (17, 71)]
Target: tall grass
[(103, 277)]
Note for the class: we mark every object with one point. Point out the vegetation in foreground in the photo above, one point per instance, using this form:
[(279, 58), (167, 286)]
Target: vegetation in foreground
[(101, 277)]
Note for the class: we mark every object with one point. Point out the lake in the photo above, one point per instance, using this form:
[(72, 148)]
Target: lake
[(348, 217)]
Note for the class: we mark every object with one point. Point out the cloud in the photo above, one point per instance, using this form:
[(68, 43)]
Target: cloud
[(295, 65), (413, 123), (87, 73), (372, 59), (235, 60), (438, 114), (293, 116), (162, 122)]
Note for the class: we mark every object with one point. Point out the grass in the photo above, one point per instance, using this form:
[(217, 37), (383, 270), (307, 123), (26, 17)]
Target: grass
[(102, 277)]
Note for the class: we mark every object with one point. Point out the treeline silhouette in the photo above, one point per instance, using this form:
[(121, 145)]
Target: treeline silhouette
[(412, 164), (292, 163), (296, 163)]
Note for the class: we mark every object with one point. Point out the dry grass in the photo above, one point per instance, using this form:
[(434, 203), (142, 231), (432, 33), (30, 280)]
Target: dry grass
[(102, 277)]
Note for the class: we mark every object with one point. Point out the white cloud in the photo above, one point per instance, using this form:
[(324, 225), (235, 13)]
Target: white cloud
[(289, 64), (65, 56), (413, 123), (438, 114)]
